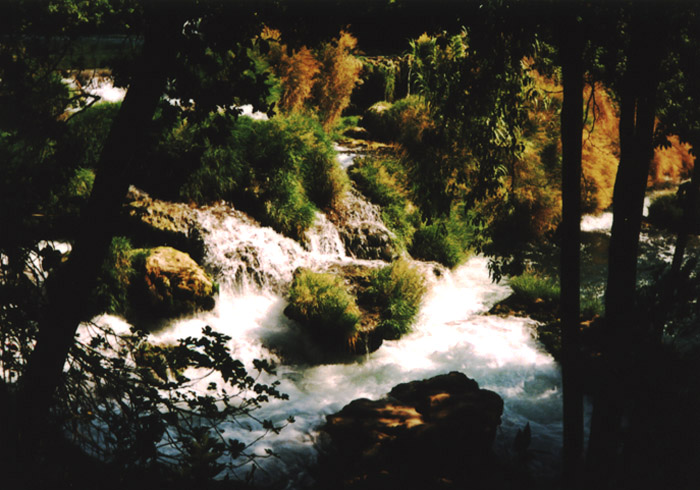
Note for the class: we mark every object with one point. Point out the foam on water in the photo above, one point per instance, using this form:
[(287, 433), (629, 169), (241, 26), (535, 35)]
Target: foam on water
[(452, 333)]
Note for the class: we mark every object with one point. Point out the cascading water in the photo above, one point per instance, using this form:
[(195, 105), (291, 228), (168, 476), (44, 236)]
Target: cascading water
[(453, 332), (254, 265)]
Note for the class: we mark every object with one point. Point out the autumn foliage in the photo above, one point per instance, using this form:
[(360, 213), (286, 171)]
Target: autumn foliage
[(322, 80)]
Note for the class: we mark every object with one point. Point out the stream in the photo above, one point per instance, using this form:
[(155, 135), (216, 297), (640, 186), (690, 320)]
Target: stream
[(453, 332)]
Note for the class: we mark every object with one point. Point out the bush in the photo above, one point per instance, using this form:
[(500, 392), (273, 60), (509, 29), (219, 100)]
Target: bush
[(381, 80), (405, 121), (279, 170), (323, 304), (88, 130), (340, 73), (535, 287), (381, 180), (446, 240), (397, 290), (115, 278)]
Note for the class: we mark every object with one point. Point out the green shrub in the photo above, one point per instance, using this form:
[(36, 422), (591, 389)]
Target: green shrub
[(405, 121), (397, 290), (445, 241), (88, 130), (533, 287), (323, 304), (591, 304), (115, 278), (286, 206), (381, 181), (278, 170)]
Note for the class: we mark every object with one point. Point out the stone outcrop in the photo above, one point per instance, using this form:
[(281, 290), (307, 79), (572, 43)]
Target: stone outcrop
[(435, 433), (361, 228), (152, 221), (175, 284)]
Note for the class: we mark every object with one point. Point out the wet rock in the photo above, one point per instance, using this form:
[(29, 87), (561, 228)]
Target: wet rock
[(357, 133), (361, 228), (175, 284), (152, 221), (422, 433)]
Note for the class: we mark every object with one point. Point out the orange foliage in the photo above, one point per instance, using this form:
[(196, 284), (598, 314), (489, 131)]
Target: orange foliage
[(330, 75), (341, 73), (601, 149), (672, 164), (296, 72), (297, 77)]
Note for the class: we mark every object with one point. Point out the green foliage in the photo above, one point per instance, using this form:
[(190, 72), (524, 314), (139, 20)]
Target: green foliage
[(432, 242), (136, 404), (279, 170), (405, 121), (88, 130), (322, 303), (340, 73), (382, 181), (446, 240), (397, 290), (382, 79), (116, 276), (535, 287)]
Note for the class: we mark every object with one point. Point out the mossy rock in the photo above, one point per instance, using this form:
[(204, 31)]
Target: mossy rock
[(175, 284)]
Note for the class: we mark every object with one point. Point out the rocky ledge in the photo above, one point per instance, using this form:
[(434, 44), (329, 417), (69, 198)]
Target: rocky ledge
[(361, 228), (152, 221), (435, 433)]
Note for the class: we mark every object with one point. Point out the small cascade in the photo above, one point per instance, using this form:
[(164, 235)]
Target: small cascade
[(243, 254), (361, 227), (323, 238)]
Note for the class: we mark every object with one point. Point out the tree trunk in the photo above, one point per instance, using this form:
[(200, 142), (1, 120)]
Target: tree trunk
[(624, 325), (571, 134), (71, 289)]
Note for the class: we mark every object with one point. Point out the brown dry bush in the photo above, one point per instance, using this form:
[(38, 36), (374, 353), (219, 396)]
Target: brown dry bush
[(340, 71), (672, 164)]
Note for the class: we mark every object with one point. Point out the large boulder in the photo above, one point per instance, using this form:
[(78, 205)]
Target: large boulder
[(175, 284), (153, 221), (435, 433)]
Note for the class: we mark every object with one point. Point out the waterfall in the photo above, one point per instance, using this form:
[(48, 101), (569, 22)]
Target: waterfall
[(453, 332)]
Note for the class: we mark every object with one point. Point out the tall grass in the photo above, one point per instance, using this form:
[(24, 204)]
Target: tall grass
[(322, 304), (397, 290), (535, 287), (280, 170), (382, 180)]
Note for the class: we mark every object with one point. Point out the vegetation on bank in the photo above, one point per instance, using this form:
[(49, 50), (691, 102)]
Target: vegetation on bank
[(150, 284), (396, 290), (322, 303), (338, 311)]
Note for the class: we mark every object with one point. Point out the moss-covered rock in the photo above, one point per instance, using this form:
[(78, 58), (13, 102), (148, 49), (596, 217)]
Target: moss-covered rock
[(151, 221), (352, 309), (174, 283)]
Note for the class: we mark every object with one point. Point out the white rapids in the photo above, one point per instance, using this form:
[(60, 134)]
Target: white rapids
[(453, 333)]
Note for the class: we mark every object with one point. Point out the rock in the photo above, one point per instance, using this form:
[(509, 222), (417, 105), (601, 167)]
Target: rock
[(423, 432), (152, 221), (175, 284), (375, 121), (356, 132), (361, 228)]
